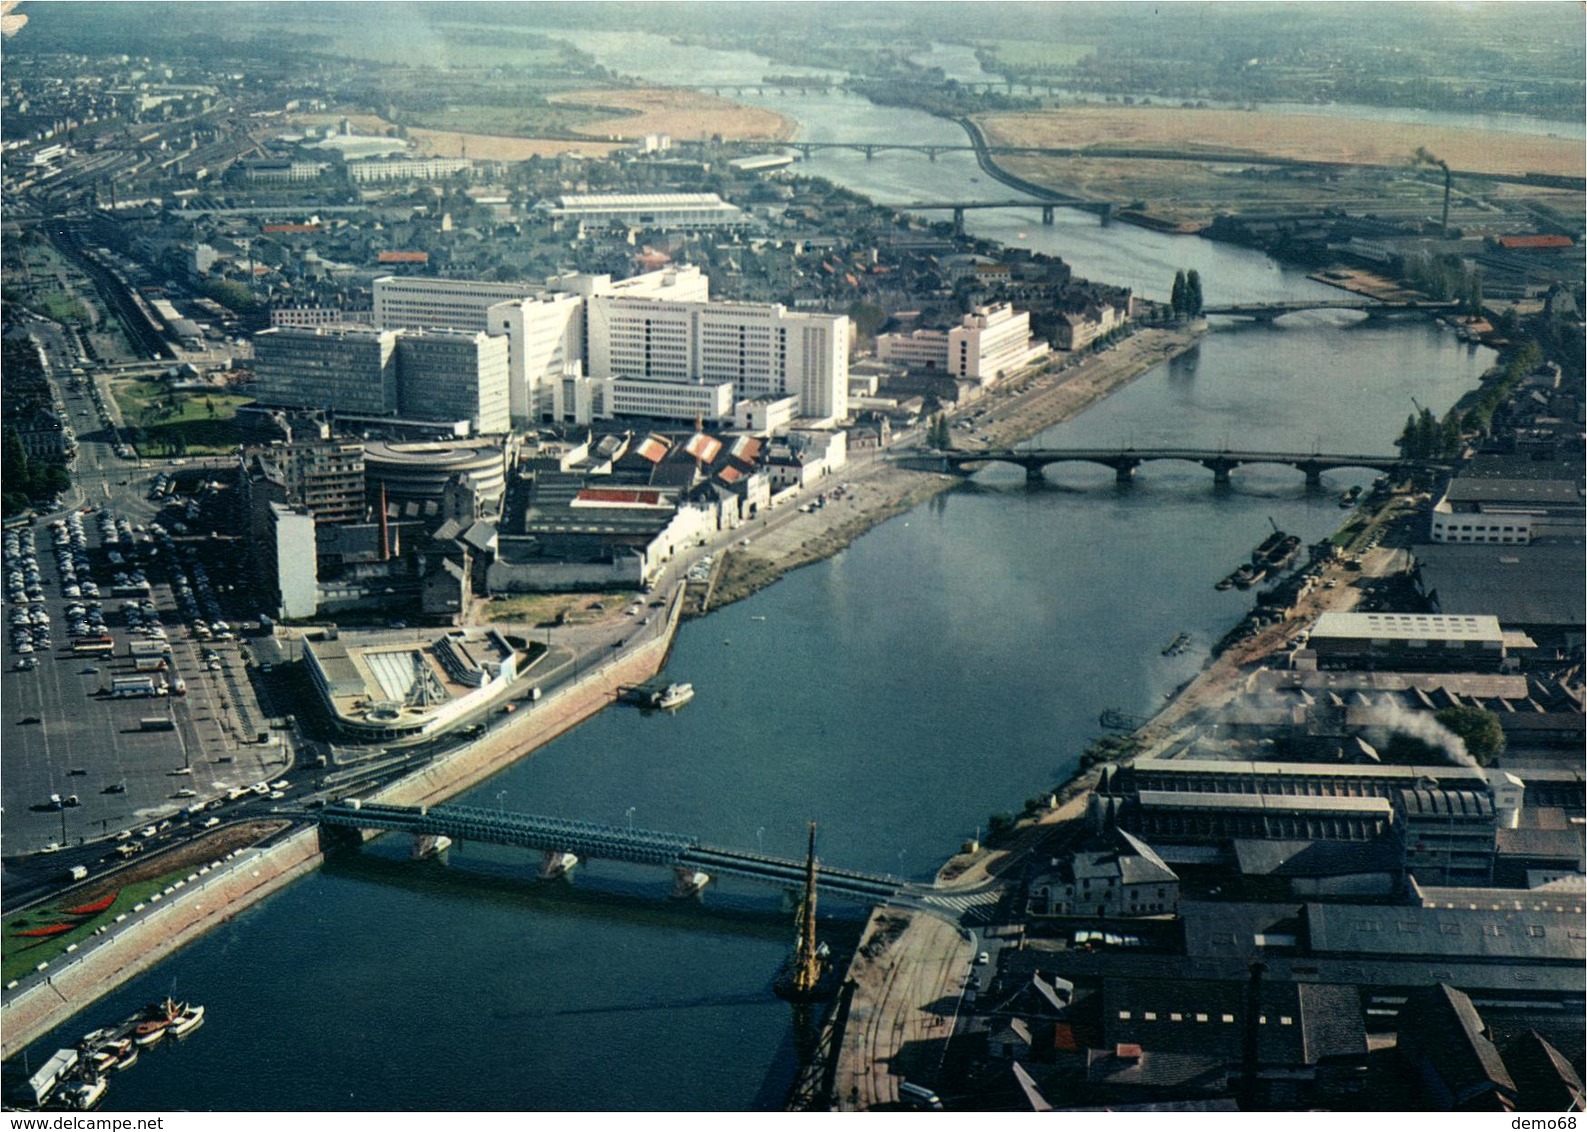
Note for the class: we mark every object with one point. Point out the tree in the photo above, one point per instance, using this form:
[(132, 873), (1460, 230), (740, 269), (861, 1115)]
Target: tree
[(1176, 297), (1193, 293), (868, 317), (1478, 728), (1473, 296)]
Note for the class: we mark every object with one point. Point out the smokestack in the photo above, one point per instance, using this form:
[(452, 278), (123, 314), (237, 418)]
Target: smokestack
[(1250, 1061), (385, 532)]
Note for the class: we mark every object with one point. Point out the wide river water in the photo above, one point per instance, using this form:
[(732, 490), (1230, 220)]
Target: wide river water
[(946, 666)]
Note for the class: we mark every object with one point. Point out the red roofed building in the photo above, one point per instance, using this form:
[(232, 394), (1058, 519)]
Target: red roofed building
[(1535, 243), (404, 257), (622, 497)]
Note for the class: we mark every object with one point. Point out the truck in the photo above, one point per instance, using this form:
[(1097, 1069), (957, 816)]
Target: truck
[(156, 723), (149, 664), (76, 872)]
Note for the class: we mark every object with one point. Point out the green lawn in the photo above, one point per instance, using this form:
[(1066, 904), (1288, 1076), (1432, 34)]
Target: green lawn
[(62, 307), (164, 421), (23, 955)]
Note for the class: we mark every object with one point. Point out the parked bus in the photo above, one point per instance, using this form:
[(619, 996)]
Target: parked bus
[(94, 646)]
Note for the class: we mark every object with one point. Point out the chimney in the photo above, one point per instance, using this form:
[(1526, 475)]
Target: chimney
[(385, 533)]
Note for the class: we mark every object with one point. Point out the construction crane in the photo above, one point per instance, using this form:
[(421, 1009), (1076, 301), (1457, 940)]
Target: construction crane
[(802, 974)]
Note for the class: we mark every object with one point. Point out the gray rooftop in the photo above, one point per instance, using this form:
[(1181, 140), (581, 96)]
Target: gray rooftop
[(1541, 584)]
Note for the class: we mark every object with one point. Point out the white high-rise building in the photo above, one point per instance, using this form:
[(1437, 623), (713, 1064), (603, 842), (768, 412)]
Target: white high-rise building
[(343, 369), (763, 349), (454, 375)]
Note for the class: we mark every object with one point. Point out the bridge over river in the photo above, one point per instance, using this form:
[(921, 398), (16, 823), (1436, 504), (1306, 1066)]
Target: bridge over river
[(1221, 462), (693, 861)]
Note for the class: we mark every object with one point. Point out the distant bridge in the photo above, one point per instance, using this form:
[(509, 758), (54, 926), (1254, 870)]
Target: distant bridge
[(1373, 308), (1048, 202), (687, 856), (1221, 462)]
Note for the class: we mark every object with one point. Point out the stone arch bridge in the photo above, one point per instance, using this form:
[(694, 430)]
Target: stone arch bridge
[(1221, 462)]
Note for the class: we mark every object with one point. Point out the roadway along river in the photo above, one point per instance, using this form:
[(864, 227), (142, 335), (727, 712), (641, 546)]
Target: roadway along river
[(947, 665)]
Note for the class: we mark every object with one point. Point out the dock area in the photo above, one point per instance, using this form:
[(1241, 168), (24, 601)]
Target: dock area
[(908, 975)]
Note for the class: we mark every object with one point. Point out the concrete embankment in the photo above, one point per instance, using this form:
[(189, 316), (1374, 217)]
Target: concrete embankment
[(147, 937), (251, 875)]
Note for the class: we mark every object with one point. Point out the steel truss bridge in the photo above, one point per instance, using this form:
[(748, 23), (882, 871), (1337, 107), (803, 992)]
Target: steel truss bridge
[(1124, 461), (688, 856)]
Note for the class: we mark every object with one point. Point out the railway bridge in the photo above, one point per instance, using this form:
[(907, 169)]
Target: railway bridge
[(1221, 462), (693, 862)]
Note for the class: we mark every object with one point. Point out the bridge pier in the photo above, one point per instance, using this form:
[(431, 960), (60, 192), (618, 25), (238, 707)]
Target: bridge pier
[(1221, 470), (869, 151), (688, 882), (958, 222), (429, 845), (555, 863), (1124, 471), (1313, 475), (1047, 214), (1033, 473), (931, 153)]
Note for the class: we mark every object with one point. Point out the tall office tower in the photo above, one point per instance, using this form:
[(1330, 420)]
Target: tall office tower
[(343, 369)]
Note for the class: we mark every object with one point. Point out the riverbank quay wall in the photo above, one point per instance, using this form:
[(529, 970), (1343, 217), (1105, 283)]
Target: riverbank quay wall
[(163, 928), (148, 937), (546, 719)]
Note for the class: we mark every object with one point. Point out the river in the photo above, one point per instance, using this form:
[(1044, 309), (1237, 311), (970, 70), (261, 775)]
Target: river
[(946, 666)]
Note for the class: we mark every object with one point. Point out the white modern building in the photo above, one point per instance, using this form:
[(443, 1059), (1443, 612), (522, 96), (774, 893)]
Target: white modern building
[(762, 349), (588, 347), (991, 343), (647, 210), (374, 170)]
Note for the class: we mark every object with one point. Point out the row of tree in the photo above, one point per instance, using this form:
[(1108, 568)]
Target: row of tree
[(1445, 277), (26, 479), (937, 434), (1185, 298), (1427, 438)]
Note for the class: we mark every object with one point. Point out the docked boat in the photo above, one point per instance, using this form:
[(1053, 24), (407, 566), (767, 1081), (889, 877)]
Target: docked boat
[(1247, 576), (84, 1093), (674, 696), (112, 1057), (1348, 499), (189, 1018), (151, 1023), (1178, 645)]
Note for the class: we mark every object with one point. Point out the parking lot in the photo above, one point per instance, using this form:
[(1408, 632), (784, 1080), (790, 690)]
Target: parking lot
[(68, 734)]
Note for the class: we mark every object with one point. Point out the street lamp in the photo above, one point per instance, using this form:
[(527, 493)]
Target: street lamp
[(630, 819)]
